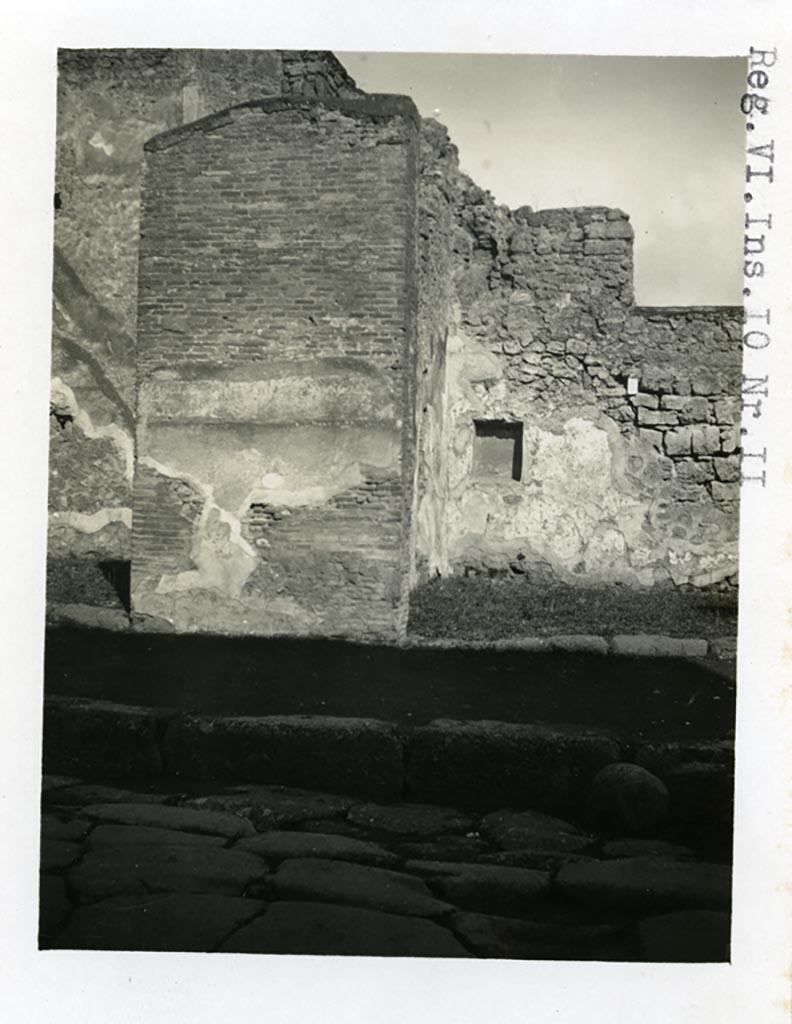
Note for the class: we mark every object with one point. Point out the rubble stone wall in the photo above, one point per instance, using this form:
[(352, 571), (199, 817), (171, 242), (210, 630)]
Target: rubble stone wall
[(630, 416)]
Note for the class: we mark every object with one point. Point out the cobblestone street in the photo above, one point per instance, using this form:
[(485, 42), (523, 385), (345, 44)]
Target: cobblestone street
[(254, 869)]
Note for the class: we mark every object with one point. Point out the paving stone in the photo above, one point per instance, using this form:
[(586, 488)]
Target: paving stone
[(410, 819), (54, 907), (540, 856), (687, 936), (332, 881), (144, 835), (505, 937), (52, 782), (130, 869), (644, 848), (87, 793), (192, 923), (57, 854), (183, 819), (434, 868), (626, 798), (453, 848), (647, 883), (72, 830), (701, 794), (646, 645), (492, 889), (357, 756), (99, 739), (578, 642), (282, 845), (319, 928), (274, 807), (330, 827), (514, 830), (486, 764)]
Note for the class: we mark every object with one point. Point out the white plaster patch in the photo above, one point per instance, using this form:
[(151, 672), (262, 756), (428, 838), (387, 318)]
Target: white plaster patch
[(276, 488), (468, 363), (605, 552), (93, 522), (63, 398), (294, 466), (223, 558), (98, 141)]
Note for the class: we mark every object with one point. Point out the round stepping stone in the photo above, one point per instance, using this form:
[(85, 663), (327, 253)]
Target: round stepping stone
[(317, 928), (278, 846), (332, 881), (132, 869), (191, 923), (410, 819), (646, 883), (628, 799), (182, 819)]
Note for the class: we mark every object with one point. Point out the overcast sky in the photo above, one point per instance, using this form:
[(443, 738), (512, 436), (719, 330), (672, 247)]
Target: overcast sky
[(660, 137)]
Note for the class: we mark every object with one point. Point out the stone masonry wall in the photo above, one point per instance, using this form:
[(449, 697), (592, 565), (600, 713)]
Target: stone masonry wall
[(276, 360), (109, 103), (435, 304), (630, 417)]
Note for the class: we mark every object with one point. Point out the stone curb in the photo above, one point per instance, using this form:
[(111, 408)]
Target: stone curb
[(646, 645), (96, 738), (469, 764), (627, 644), (476, 765), (345, 755)]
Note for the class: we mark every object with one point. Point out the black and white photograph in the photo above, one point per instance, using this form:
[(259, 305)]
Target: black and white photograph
[(407, 408), (393, 549)]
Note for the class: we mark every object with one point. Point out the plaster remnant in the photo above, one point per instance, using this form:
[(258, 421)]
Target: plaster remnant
[(224, 559), (94, 522), (98, 141), (63, 401)]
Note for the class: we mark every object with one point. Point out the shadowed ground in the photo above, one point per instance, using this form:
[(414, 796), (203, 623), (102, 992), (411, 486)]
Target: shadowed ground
[(675, 698)]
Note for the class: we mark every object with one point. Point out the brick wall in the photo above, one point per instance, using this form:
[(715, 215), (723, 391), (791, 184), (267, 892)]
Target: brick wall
[(253, 248), (276, 358), (109, 103)]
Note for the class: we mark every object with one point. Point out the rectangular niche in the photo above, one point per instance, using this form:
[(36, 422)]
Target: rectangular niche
[(497, 450)]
